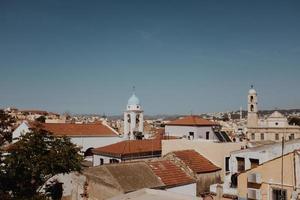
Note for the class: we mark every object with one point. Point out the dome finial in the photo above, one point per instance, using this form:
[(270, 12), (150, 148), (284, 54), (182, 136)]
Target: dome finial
[(252, 86), (133, 89)]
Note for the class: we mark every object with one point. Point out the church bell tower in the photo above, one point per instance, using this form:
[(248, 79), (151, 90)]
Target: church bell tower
[(252, 120), (133, 118)]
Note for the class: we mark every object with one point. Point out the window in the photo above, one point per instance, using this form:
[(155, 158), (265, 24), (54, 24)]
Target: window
[(278, 194), (101, 161), (252, 136), (227, 164), (113, 160), (276, 136), (254, 162), (276, 123), (191, 135), (207, 135), (241, 164), (137, 107), (262, 136), (251, 99), (251, 108), (292, 136)]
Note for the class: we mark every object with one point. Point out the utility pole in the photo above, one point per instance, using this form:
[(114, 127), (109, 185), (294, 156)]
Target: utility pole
[(282, 149)]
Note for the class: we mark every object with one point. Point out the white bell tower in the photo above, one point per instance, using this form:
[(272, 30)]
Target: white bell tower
[(133, 117), (252, 120)]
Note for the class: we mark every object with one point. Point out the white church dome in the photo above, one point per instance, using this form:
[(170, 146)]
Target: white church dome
[(276, 114), (252, 91), (133, 100)]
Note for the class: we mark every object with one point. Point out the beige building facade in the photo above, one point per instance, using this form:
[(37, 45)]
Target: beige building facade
[(273, 128), (266, 181)]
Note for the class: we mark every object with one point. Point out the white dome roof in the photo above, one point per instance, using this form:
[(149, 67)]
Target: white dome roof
[(252, 91), (133, 100), (276, 114)]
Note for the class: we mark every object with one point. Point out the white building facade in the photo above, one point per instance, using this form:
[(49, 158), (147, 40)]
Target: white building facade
[(191, 132)]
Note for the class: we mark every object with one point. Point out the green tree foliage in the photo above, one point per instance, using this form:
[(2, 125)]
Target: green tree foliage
[(6, 122), (294, 121), (35, 158)]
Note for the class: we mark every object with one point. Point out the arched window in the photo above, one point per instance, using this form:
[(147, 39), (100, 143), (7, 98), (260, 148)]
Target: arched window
[(128, 117), (251, 99), (252, 136), (251, 108)]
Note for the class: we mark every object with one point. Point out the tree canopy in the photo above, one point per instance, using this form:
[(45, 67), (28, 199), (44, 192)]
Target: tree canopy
[(31, 161), (6, 122)]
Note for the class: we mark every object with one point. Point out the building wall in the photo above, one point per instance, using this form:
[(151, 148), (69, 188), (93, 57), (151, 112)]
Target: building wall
[(270, 133), (94, 142), (78, 182), (263, 154), (22, 129), (189, 189), (106, 159), (217, 155), (205, 180), (96, 189), (271, 177), (183, 131)]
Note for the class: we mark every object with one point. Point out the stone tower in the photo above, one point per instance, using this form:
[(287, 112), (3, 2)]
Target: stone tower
[(252, 120), (133, 118)]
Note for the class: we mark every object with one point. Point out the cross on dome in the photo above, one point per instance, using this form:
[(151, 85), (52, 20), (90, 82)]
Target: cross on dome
[(133, 100)]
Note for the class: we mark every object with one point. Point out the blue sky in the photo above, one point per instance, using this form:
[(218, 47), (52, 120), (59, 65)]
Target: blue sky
[(182, 56)]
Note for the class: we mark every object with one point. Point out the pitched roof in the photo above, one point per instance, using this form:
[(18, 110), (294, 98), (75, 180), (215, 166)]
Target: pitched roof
[(129, 177), (170, 174), (67, 129), (196, 162), (129, 148), (192, 120)]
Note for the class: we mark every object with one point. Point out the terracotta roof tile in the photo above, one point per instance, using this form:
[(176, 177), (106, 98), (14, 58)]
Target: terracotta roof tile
[(170, 174), (196, 162), (66, 129), (192, 120), (130, 147)]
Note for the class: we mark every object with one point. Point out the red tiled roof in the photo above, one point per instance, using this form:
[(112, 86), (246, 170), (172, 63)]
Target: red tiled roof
[(196, 162), (192, 120), (170, 174), (66, 129), (130, 147)]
